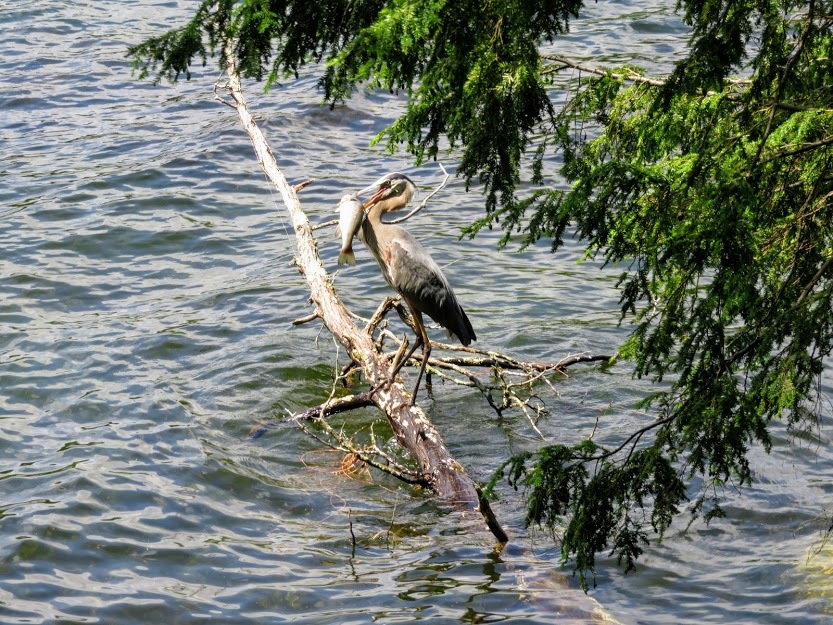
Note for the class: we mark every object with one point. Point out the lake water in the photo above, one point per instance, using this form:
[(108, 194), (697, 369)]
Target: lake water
[(146, 301)]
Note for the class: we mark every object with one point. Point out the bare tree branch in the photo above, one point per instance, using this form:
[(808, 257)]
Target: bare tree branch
[(413, 430), (562, 62), (425, 201)]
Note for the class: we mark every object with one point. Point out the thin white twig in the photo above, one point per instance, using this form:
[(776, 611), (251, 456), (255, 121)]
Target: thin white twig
[(425, 201), (326, 224)]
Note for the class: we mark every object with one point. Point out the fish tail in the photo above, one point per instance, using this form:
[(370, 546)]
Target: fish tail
[(347, 256)]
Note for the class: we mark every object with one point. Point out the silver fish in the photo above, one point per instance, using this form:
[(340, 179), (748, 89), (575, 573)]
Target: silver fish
[(350, 220)]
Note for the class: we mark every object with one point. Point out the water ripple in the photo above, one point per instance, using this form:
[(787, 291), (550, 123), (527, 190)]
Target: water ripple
[(146, 308)]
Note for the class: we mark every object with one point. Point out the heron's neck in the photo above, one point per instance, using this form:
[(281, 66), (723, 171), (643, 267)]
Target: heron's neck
[(374, 215)]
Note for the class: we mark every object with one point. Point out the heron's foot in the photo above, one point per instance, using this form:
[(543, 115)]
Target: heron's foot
[(428, 389)]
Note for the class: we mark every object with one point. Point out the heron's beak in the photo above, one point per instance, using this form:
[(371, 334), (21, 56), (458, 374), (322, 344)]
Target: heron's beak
[(374, 198), (383, 182)]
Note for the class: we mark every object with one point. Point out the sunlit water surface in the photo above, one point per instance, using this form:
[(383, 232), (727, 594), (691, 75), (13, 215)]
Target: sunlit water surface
[(146, 301)]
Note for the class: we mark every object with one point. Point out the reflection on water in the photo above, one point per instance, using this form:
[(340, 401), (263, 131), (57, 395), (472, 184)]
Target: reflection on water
[(146, 301)]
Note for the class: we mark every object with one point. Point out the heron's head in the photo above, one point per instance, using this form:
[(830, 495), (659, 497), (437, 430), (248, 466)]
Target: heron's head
[(392, 191)]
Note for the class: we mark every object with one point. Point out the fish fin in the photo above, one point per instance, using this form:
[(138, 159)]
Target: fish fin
[(347, 257)]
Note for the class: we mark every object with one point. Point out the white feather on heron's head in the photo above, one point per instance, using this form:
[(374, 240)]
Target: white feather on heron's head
[(396, 189)]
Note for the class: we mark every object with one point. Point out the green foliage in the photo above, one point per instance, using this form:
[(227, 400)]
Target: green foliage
[(624, 490), (471, 70), (596, 501), (721, 207), (718, 203), (172, 53), (271, 39), (479, 80), (711, 194)]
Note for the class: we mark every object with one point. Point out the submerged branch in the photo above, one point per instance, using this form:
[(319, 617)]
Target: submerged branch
[(332, 406)]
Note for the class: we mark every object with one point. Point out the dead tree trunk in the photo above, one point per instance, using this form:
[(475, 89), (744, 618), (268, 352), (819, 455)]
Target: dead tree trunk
[(415, 433)]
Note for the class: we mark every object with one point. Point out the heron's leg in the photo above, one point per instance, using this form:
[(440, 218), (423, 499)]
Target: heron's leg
[(399, 362), (426, 348), (420, 336), (422, 339)]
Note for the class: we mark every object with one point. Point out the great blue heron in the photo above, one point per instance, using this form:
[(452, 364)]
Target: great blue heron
[(408, 268)]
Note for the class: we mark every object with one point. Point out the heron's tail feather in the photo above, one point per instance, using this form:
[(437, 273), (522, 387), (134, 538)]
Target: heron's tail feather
[(462, 331)]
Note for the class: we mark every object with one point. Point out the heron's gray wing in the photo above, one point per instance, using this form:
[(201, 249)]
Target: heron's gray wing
[(419, 279)]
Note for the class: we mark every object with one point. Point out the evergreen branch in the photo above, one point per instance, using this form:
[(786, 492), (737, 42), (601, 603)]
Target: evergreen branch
[(797, 108), (782, 82), (804, 148), (825, 266), (635, 436)]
